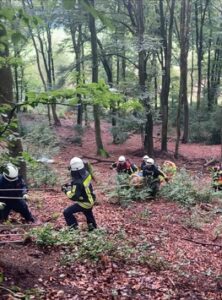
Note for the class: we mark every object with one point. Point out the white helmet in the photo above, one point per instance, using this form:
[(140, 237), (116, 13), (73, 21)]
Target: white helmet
[(145, 158), (122, 158), (150, 161), (76, 164), (11, 173)]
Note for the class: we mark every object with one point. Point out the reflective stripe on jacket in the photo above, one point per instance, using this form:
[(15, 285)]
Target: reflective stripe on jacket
[(82, 192)]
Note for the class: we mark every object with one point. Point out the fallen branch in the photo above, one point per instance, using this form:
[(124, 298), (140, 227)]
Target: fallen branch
[(11, 234), (202, 243), (12, 242), (12, 226), (98, 160)]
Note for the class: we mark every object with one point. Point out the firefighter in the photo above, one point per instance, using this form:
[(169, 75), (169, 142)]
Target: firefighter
[(79, 190), (151, 174), (13, 194), (124, 165), (143, 163), (217, 177)]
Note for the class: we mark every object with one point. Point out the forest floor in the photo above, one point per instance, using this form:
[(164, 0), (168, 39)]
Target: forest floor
[(181, 248)]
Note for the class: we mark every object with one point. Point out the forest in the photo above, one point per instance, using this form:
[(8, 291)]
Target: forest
[(104, 81)]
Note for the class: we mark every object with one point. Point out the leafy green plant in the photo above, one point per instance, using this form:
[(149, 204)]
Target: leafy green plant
[(185, 190), (124, 194), (44, 235), (41, 174), (153, 261)]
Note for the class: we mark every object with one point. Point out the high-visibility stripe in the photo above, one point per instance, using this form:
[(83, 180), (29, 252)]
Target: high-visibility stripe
[(71, 193), (86, 204)]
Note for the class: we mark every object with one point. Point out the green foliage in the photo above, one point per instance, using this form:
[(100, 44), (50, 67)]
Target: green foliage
[(81, 245), (124, 194), (184, 189), (41, 174), (153, 261), (44, 235), (40, 143), (77, 246), (126, 123), (39, 139), (205, 126), (54, 96)]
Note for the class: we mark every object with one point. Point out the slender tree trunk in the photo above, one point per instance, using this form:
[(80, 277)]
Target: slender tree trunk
[(166, 34), (191, 77), (76, 34), (185, 12), (148, 141), (200, 14), (96, 107), (6, 97)]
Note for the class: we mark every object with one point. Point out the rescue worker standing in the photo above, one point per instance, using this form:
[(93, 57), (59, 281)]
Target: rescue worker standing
[(152, 173), (13, 194), (79, 190), (124, 166)]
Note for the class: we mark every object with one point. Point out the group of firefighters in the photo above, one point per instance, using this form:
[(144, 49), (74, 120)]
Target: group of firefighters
[(14, 192)]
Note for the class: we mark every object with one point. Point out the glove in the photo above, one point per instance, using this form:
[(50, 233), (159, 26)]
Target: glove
[(25, 197), (2, 205), (167, 179), (64, 188)]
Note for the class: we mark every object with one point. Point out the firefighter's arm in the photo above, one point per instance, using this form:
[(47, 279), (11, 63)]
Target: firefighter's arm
[(113, 165), (161, 173), (74, 193)]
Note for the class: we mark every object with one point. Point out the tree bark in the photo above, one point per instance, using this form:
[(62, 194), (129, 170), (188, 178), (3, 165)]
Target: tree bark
[(6, 97), (166, 34), (148, 140), (96, 108)]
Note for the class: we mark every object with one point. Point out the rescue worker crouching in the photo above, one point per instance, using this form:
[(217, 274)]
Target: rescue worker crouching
[(124, 165), (217, 178), (13, 194), (144, 161), (151, 174), (79, 190)]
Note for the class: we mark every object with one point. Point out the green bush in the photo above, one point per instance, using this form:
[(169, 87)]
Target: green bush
[(41, 174), (124, 194), (40, 142), (185, 190), (82, 245), (205, 126)]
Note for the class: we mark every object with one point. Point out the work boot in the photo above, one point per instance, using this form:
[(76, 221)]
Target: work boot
[(91, 227), (74, 227)]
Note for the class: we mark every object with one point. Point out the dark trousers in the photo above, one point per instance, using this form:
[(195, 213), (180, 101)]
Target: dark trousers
[(19, 206), (75, 208), (155, 187)]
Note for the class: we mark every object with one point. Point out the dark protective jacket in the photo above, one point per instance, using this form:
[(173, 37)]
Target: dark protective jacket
[(10, 189), (152, 171), (81, 190)]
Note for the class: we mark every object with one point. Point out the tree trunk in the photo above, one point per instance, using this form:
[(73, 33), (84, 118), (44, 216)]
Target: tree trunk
[(96, 109), (6, 97), (166, 34), (148, 140), (200, 14), (76, 34), (184, 47)]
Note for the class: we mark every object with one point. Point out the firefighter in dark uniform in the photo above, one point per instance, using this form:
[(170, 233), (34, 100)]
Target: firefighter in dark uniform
[(13, 194), (144, 161), (124, 165), (79, 190), (151, 174)]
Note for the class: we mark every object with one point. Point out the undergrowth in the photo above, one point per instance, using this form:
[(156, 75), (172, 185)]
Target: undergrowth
[(95, 246), (124, 194), (183, 188)]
